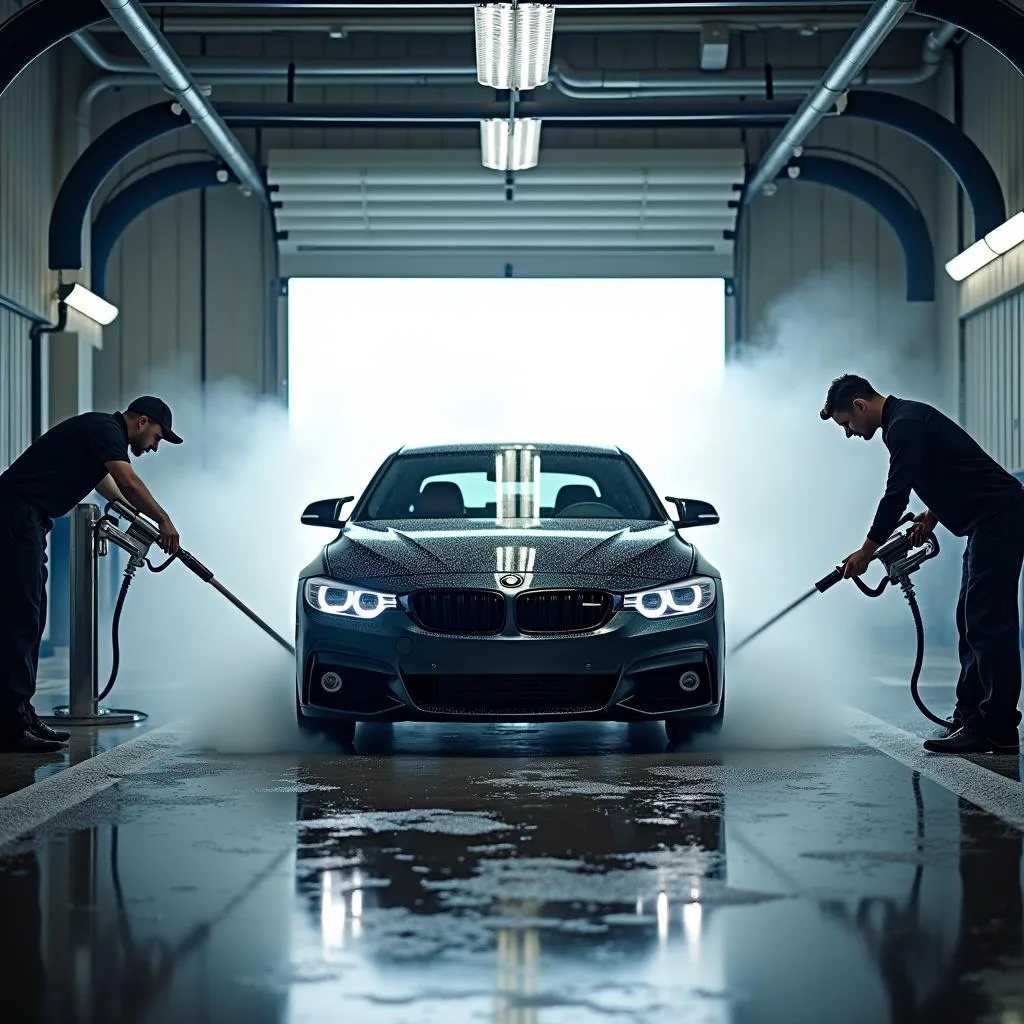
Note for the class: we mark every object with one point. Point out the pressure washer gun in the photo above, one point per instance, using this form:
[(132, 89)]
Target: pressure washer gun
[(139, 536), (898, 556)]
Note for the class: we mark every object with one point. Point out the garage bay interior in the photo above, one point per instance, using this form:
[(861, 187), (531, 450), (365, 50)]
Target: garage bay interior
[(498, 337)]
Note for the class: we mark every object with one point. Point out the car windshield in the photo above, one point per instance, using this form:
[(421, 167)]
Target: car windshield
[(520, 483)]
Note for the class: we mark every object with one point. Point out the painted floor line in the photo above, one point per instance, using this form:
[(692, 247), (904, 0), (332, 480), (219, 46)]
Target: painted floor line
[(34, 805), (992, 792), (903, 682)]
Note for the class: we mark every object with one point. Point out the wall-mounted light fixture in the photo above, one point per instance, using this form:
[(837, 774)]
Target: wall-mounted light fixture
[(998, 241), (88, 303)]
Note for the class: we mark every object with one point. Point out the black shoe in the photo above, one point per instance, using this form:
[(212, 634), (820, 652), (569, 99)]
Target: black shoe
[(943, 732), (44, 732), (966, 741), (28, 743)]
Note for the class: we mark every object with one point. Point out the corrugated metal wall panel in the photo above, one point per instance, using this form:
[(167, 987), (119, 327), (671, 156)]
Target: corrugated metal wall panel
[(808, 231), (992, 300), (994, 119), (992, 366), (27, 134), (155, 274)]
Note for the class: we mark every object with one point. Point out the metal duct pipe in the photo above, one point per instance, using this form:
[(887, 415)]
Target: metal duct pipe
[(570, 81), (935, 44), (859, 48), (446, 25), (657, 85), (566, 77), (146, 38), (98, 86)]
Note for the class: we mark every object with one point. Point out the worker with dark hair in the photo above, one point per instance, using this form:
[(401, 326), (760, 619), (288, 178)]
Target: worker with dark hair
[(55, 473), (972, 496)]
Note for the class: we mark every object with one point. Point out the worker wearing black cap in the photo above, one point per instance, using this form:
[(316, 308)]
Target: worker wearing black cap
[(58, 471)]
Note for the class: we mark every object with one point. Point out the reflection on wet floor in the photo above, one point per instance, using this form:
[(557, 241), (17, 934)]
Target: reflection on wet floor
[(522, 875)]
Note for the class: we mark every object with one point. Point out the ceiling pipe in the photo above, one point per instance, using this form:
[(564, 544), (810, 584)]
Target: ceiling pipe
[(652, 85), (570, 81), (644, 82), (859, 49), (341, 27), (157, 53)]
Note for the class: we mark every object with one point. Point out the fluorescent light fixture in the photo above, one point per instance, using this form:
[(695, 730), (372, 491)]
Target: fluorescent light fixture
[(89, 304), (510, 145), (513, 45), (999, 240), (1008, 235)]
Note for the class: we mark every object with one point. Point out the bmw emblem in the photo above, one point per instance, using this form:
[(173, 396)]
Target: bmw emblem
[(511, 579)]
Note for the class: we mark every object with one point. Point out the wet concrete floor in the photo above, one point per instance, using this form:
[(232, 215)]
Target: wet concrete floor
[(517, 874)]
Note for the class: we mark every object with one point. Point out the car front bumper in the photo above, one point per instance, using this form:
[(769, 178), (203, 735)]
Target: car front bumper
[(391, 670)]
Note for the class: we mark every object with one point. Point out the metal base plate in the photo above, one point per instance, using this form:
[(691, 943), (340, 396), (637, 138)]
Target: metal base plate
[(61, 715)]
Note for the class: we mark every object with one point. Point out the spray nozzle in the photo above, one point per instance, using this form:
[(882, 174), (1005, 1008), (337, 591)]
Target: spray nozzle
[(898, 556)]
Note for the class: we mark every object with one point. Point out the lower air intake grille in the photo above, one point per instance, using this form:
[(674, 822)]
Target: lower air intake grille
[(510, 695), (458, 612), (562, 611)]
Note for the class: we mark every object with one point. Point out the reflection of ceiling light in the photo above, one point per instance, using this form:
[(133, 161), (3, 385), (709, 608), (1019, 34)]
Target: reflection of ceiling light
[(510, 145), (662, 906), (513, 45), (517, 486), (332, 912), (998, 241), (88, 303), (693, 915), (512, 559)]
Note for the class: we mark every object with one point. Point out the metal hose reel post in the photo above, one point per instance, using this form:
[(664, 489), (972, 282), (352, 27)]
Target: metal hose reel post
[(90, 534)]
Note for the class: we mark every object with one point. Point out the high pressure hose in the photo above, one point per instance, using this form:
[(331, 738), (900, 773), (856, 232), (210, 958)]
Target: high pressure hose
[(115, 645), (114, 639), (919, 659)]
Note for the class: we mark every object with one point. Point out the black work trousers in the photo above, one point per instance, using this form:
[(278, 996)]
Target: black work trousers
[(988, 622), (23, 575)]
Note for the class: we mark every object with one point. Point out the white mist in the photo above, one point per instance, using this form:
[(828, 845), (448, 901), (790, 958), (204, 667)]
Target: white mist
[(607, 363)]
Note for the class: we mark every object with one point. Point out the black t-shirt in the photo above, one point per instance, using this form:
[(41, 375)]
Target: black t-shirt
[(61, 468), (947, 469)]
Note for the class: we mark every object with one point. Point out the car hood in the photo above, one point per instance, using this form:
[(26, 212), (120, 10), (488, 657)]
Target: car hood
[(640, 552)]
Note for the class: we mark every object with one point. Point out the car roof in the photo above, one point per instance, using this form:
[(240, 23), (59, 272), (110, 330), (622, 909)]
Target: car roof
[(460, 449)]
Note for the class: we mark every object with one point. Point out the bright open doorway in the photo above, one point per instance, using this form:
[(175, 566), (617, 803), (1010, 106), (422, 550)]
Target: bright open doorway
[(379, 363)]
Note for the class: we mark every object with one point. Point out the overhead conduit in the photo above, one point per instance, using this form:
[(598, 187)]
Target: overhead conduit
[(859, 49), (156, 52), (570, 81)]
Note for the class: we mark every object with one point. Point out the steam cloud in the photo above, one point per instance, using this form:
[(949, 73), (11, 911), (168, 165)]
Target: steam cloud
[(793, 493)]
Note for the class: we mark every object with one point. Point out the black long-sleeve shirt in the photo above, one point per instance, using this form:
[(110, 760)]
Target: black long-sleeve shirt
[(948, 470)]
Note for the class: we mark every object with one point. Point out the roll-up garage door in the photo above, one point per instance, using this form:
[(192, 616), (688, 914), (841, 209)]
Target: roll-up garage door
[(440, 213)]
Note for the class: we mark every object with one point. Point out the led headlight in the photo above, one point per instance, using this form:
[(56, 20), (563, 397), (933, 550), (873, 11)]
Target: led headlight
[(338, 599), (683, 599)]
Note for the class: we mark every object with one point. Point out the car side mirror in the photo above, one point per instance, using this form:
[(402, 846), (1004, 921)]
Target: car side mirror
[(692, 512), (326, 513)]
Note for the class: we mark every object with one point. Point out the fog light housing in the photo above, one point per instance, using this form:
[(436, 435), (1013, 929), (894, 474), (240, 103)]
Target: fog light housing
[(330, 682), (689, 681)]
